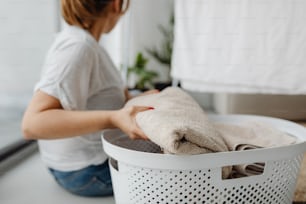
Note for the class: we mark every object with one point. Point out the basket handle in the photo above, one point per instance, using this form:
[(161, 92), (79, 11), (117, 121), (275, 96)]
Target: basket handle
[(245, 179), (114, 163)]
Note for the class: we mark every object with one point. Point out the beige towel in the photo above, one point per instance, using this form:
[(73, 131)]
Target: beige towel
[(247, 170), (251, 135), (178, 124)]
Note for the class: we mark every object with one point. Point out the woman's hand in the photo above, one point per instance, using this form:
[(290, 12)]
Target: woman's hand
[(125, 119)]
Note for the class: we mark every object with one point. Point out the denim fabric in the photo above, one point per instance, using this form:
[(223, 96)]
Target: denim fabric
[(90, 181)]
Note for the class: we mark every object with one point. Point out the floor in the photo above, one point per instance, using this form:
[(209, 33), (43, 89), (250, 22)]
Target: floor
[(30, 182), (300, 193)]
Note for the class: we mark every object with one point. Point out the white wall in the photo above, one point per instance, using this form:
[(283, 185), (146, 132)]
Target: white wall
[(137, 30), (146, 15), (27, 29)]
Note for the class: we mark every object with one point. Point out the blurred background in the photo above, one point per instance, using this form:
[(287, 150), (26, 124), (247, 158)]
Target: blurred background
[(141, 46), (28, 29)]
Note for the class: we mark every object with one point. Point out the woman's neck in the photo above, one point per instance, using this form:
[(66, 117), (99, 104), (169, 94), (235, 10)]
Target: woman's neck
[(97, 29)]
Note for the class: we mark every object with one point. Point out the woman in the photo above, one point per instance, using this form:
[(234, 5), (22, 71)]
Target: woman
[(79, 94)]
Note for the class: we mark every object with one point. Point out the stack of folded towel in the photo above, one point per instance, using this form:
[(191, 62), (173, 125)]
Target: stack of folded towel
[(251, 135), (180, 126)]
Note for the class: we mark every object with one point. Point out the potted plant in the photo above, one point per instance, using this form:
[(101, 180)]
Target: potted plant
[(144, 77), (163, 54)]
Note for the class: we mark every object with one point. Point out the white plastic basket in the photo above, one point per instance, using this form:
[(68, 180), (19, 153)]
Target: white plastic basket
[(141, 177)]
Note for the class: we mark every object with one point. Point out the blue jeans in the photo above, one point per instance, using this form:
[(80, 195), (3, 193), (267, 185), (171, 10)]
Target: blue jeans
[(91, 181)]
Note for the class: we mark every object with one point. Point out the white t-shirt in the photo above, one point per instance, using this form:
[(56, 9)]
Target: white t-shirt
[(80, 74)]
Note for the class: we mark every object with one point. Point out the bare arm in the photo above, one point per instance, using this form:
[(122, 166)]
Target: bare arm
[(46, 119)]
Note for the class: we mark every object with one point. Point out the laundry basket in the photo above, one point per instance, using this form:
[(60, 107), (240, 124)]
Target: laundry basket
[(142, 175)]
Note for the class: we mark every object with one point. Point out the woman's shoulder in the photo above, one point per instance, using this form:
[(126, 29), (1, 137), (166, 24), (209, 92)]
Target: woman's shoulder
[(73, 38), (73, 43), (70, 52)]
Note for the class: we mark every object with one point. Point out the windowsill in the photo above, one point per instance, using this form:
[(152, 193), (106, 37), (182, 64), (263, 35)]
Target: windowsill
[(9, 150), (15, 153)]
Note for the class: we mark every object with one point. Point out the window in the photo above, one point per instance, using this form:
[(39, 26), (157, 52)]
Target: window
[(27, 30)]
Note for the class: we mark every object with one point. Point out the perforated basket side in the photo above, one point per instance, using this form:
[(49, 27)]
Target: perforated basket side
[(138, 185), (144, 177)]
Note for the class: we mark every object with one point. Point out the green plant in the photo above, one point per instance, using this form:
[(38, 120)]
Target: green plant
[(144, 77), (164, 53)]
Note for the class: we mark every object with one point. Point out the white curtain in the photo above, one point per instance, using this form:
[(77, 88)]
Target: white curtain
[(241, 46)]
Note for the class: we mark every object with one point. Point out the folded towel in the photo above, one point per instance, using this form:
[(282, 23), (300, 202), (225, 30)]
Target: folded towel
[(251, 135), (239, 171), (243, 170), (248, 169), (178, 124)]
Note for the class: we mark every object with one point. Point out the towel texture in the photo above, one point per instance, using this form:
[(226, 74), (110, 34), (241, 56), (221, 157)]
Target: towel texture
[(178, 124), (252, 134)]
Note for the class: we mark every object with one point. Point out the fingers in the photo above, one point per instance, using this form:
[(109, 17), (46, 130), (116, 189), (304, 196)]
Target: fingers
[(138, 134), (137, 109), (141, 134), (135, 132)]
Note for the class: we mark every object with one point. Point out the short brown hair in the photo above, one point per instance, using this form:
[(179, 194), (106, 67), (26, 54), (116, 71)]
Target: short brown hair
[(83, 13)]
